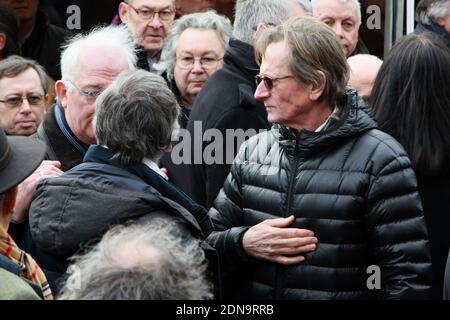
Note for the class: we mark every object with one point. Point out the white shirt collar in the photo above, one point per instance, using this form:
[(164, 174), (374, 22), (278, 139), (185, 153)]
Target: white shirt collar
[(325, 123), (153, 166)]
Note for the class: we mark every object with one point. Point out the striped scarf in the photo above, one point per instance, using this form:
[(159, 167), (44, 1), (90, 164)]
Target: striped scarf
[(29, 269)]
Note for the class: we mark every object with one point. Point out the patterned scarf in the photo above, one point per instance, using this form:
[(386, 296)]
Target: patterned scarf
[(29, 269)]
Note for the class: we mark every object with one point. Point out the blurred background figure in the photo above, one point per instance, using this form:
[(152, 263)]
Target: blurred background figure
[(40, 40), (411, 101), (344, 17), (141, 261), (149, 22), (192, 6), (434, 16), (23, 95), (9, 30), (226, 7), (363, 71)]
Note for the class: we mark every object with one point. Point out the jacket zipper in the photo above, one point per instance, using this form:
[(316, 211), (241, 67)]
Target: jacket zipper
[(286, 214)]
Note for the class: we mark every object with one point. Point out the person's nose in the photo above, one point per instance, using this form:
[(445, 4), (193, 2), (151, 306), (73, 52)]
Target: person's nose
[(25, 107), (197, 67), (262, 93), (155, 23), (338, 30)]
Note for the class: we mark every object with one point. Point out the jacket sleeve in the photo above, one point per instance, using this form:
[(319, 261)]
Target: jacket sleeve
[(228, 219), (396, 226)]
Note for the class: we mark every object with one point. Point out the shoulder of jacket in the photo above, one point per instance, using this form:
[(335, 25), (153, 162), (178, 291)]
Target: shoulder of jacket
[(377, 139)]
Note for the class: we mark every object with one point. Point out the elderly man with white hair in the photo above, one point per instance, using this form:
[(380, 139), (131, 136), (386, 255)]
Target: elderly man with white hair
[(434, 16), (344, 17)]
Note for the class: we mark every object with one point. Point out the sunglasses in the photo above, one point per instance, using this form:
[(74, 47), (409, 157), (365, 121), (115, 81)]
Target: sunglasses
[(269, 81)]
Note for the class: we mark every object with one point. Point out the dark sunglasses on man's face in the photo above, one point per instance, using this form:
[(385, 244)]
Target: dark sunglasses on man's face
[(269, 80)]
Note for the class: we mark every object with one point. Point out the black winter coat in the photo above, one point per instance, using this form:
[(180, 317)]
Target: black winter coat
[(71, 210), (44, 45), (353, 186), (225, 102)]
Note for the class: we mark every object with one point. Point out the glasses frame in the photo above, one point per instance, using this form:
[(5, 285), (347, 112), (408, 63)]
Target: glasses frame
[(269, 81), (22, 98), (199, 59), (87, 94), (138, 12)]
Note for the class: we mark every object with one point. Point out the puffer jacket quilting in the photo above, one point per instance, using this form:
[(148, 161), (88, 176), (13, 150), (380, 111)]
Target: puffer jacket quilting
[(353, 186)]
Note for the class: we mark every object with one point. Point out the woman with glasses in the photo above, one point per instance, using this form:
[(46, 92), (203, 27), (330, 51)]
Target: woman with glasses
[(193, 52)]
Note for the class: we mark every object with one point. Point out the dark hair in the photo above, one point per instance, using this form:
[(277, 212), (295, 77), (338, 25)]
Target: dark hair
[(15, 65), (411, 100), (135, 116), (9, 26)]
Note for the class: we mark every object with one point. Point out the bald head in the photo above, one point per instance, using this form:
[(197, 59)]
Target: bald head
[(363, 71)]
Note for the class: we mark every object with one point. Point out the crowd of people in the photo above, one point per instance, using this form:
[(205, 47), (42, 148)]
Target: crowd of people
[(249, 149)]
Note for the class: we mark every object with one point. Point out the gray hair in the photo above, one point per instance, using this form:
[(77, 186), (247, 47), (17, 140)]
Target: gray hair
[(314, 50), (206, 20), (164, 267), (15, 65), (135, 116), (130, 1), (355, 2), (117, 39), (250, 13), (306, 4), (429, 11)]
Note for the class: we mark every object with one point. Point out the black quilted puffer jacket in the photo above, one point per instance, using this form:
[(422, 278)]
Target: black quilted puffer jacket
[(353, 186)]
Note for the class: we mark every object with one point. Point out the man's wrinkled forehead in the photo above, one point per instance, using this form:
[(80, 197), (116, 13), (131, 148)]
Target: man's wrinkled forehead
[(335, 9), (152, 3)]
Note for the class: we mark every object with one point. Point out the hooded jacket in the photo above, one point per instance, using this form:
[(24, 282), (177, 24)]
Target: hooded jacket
[(353, 186)]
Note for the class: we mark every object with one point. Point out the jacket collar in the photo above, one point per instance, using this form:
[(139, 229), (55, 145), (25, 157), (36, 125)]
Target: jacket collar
[(354, 120), (435, 28), (99, 154), (64, 151)]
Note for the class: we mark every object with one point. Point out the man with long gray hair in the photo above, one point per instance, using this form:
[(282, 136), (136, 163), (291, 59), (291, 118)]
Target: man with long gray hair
[(118, 179), (226, 100), (434, 16), (140, 261)]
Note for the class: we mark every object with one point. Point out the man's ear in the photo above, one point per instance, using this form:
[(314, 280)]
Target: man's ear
[(316, 91), (123, 12), (440, 21), (61, 92), (261, 26)]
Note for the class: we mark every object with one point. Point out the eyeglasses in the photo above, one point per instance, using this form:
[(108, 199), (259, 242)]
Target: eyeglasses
[(187, 62), (17, 101), (269, 81), (91, 95), (149, 14)]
